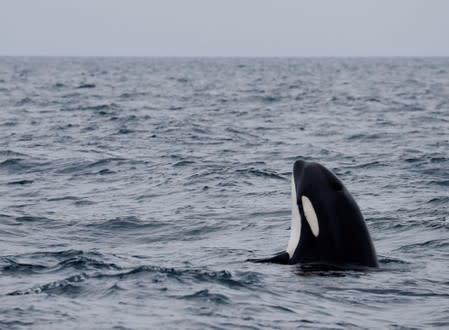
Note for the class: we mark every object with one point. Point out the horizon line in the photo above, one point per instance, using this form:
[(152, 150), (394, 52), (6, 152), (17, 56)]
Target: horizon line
[(224, 56)]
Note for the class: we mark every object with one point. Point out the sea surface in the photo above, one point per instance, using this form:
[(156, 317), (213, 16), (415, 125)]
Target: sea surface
[(133, 191)]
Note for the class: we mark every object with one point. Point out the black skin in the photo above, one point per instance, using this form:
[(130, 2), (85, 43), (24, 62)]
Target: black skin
[(343, 238)]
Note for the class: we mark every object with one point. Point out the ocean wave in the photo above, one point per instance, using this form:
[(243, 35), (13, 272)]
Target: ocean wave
[(207, 297), (54, 262), (20, 182), (19, 165), (67, 287), (261, 173), (92, 270), (138, 187), (125, 223), (86, 86), (80, 166)]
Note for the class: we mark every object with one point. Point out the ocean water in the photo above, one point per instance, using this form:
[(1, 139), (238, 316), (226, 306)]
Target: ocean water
[(133, 190)]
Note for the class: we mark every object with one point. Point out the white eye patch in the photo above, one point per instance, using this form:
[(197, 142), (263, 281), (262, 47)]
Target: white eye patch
[(310, 215), (295, 228)]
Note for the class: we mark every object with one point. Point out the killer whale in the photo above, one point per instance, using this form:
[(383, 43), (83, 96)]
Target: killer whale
[(327, 227)]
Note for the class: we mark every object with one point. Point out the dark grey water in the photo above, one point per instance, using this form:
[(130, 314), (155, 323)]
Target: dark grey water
[(133, 190)]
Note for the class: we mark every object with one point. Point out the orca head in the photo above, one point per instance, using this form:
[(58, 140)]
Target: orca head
[(327, 226)]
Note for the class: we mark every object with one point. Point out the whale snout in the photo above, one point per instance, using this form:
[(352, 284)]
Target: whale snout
[(298, 166)]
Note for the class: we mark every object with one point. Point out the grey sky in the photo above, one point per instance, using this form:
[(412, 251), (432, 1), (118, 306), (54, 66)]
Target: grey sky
[(224, 28)]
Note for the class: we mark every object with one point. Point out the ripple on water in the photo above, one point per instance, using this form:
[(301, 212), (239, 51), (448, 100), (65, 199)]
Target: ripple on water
[(134, 189)]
